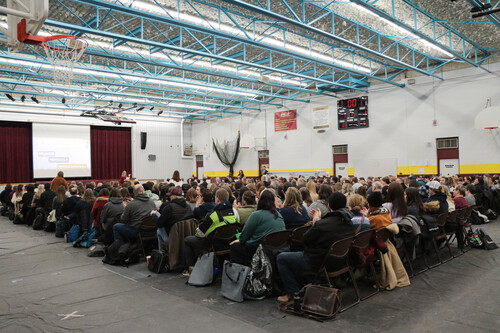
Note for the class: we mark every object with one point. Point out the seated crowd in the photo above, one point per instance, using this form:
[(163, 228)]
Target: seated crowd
[(333, 208)]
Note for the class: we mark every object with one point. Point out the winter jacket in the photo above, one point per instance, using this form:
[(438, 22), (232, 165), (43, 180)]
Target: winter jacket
[(58, 181), (137, 209), (109, 212), (174, 211), (222, 214), (319, 238), (96, 211), (69, 204), (201, 211), (380, 218), (443, 202), (292, 219)]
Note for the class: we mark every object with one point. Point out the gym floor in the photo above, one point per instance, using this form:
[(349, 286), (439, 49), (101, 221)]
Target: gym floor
[(47, 285)]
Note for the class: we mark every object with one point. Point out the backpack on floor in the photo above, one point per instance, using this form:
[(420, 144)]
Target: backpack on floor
[(73, 234), (62, 227), (122, 254), (158, 263), (491, 214), (39, 221), (12, 214), (486, 239)]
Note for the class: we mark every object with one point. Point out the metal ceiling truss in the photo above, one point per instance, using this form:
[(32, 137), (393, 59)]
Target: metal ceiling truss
[(272, 51)]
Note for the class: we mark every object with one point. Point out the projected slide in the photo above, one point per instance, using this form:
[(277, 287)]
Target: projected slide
[(61, 148)]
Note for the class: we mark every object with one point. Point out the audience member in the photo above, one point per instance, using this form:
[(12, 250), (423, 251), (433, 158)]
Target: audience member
[(264, 220), (293, 212), (379, 216), (177, 209), (130, 221), (248, 206), (395, 202), (100, 202), (110, 214), (357, 205), (325, 191), (335, 225)]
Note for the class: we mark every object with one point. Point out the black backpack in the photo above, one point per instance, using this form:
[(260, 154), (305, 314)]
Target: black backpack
[(39, 221), (428, 226), (486, 239), (122, 254), (158, 263)]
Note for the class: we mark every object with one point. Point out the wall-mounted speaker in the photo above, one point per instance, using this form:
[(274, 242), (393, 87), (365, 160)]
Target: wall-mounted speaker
[(144, 138)]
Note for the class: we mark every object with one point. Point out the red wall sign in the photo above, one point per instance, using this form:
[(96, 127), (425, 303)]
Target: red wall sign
[(285, 120)]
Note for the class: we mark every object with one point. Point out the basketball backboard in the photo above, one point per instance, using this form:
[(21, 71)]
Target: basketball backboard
[(34, 11)]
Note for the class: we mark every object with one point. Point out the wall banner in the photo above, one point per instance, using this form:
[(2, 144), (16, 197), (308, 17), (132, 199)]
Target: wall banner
[(321, 118), (285, 120)]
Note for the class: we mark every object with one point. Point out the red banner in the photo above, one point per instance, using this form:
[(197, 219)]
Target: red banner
[(285, 120)]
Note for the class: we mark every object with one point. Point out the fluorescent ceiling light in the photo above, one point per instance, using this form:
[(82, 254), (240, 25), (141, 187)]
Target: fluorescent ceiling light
[(226, 28), (402, 29), (130, 77)]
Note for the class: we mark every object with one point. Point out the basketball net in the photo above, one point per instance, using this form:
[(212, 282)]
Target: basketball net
[(63, 54)]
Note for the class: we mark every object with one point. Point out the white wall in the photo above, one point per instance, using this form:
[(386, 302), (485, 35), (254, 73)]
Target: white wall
[(164, 141), (401, 127)]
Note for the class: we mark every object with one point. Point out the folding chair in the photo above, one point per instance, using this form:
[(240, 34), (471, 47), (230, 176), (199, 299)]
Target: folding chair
[(362, 241), (452, 220), (277, 239), (296, 238), (339, 252), (441, 220), (222, 237), (402, 247), (147, 232), (465, 214)]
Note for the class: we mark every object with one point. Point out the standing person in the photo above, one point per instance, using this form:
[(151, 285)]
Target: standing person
[(263, 171), (124, 177), (176, 179), (58, 181), (131, 219), (241, 175)]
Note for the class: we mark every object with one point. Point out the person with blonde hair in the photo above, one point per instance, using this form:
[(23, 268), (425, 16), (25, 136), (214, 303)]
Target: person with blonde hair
[(357, 205), (449, 199), (293, 212), (311, 186), (347, 190)]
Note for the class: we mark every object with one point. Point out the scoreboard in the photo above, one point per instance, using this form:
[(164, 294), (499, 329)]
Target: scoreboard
[(352, 113)]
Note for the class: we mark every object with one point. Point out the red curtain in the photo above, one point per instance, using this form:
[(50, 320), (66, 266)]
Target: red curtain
[(111, 151), (15, 152)]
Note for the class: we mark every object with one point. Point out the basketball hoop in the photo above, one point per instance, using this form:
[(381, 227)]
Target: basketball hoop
[(62, 51)]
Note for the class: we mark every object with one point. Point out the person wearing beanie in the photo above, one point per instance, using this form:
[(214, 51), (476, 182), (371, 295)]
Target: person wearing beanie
[(379, 216), (334, 226)]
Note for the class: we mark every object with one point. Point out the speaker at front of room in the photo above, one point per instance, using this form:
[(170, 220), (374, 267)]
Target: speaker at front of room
[(144, 138)]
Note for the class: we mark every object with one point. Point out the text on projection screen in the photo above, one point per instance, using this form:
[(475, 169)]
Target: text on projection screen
[(63, 148)]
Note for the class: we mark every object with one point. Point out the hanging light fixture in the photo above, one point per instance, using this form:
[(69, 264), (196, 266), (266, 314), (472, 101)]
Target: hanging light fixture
[(9, 96)]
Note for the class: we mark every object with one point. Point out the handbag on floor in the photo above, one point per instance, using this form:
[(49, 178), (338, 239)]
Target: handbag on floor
[(234, 279), (486, 239), (203, 271), (314, 302)]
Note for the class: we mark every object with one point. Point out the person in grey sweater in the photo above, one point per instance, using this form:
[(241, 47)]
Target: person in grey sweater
[(133, 214)]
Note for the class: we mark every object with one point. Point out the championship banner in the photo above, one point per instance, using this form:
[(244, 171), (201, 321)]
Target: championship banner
[(285, 120), (321, 118)]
